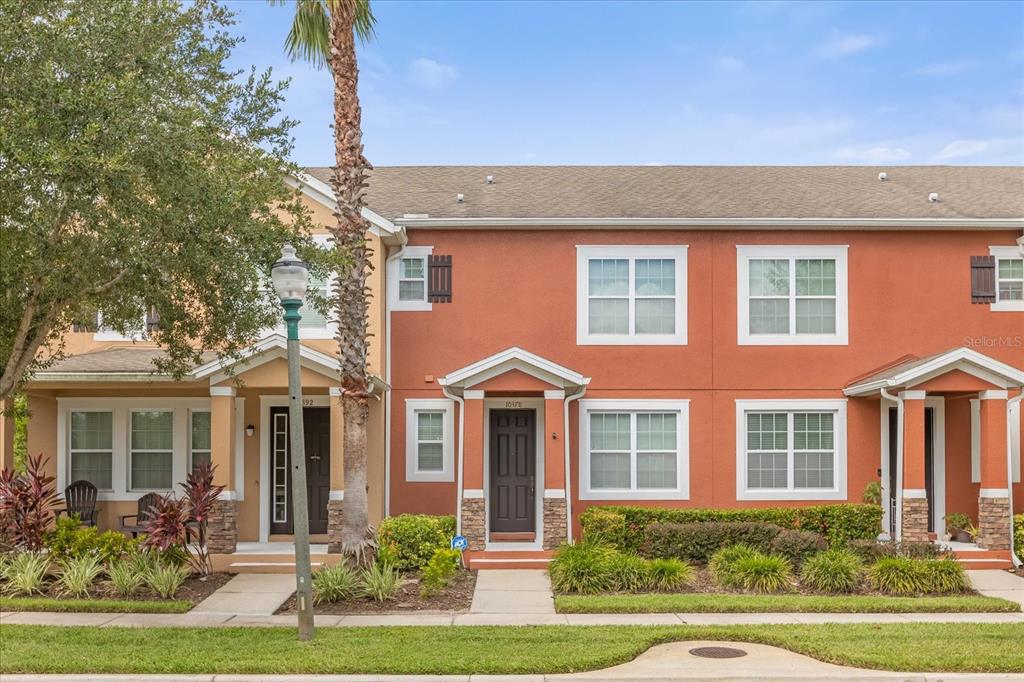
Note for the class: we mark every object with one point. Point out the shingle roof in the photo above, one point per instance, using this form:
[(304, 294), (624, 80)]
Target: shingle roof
[(127, 360), (695, 191)]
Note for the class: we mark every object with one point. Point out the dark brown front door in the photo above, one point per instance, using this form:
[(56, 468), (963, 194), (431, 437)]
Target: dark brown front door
[(513, 461), (316, 423)]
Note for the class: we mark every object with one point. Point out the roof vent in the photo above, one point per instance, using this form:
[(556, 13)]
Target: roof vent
[(883, 176), (933, 197), (460, 198), (490, 179)]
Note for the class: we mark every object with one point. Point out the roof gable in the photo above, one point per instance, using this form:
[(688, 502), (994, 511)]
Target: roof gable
[(514, 358), (918, 371)]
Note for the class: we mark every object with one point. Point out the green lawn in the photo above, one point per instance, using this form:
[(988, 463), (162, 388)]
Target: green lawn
[(93, 605), (750, 603), (962, 647)]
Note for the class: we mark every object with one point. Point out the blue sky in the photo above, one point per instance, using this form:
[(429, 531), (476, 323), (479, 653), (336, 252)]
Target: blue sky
[(668, 83)]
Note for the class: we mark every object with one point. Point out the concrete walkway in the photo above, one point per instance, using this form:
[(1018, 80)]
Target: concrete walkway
[(998, 584), (664, 662), (249, 594), (513, 591)]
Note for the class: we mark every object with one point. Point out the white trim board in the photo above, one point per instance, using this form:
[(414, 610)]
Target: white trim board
[(509, 359), (447, 407), (938, 403)]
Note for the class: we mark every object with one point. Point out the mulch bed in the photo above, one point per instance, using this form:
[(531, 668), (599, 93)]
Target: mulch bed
[(193, 590), (455, 598)]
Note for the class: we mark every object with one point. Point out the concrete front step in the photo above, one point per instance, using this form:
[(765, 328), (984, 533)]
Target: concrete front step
[(508, 559), (267, 563), (984, 559)]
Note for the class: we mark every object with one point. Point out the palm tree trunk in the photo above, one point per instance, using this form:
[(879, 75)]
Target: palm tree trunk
[(349, 183)]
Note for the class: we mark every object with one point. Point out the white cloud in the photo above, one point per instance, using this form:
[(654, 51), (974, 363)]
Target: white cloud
[(428, 73), (958, 149), (873, 154), (943, 68), (730, 64), (844, 45)]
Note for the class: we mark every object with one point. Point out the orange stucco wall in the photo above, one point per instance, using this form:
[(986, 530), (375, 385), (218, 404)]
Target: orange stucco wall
[(909, 293)]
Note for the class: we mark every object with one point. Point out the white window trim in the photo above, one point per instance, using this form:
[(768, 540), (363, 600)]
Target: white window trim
[(679, 406), (744, 254), (113, 444), (1004, 252), (838, 489), (394, 272), (120, 467), (102, 334), (447, 472), (328, 331), (585, 252), (175, 445)]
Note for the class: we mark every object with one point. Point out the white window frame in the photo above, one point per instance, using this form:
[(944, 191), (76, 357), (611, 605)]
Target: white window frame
[(840, 474), (682, 409), (191, 414), (394, 277), (1003, 253), (744, 254), (412, 472), (113, 444), (107, 334), (584, 253), (132, 451), (120, 466), (328, 331)]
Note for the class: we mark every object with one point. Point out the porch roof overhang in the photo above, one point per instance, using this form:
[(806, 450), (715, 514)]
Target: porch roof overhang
[(914, 371), (514, 358)]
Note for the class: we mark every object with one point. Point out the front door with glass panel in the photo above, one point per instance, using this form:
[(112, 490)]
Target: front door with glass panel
[(316, 422)]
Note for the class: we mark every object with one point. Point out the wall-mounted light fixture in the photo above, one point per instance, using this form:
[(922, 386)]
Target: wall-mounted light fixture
[(250, 430)]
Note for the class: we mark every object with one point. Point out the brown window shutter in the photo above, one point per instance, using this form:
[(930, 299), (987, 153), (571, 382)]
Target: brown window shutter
[(152, 319), (439, 279), (983, 279)]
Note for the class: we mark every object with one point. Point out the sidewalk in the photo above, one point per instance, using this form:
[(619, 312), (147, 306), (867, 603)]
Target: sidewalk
[(998, 584), (513, 591), (663, 662)]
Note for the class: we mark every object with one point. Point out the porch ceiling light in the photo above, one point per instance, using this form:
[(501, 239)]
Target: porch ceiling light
[(290, 275)]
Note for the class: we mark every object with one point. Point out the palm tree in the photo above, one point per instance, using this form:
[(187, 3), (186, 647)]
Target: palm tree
[(324, 32)]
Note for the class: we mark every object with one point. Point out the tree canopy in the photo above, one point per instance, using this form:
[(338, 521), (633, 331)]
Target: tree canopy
[(138, 172)]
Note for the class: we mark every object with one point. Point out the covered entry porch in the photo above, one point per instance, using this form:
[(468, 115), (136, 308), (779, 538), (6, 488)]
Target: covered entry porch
[(950, 442)]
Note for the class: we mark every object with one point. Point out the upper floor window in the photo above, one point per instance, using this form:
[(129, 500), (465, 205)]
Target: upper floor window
[(792, 295), (408, 279), (631, 295), (790, 449), (1009, 275)]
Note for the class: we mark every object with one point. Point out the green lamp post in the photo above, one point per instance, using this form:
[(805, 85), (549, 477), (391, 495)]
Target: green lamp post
[(290, 277)]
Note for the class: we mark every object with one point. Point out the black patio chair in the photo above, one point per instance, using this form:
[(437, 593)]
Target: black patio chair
[(80, 501)]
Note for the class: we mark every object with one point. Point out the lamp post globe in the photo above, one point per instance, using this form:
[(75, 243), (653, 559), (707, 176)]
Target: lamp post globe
[(290, 277)]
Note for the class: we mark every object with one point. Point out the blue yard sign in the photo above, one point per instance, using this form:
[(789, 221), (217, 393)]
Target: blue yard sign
[(460, 543)]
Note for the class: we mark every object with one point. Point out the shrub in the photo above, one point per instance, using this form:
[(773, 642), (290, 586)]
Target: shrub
[(439, 571), (71, 540), (872, 493), (763, 573), (78, 575), (583, 567), (27, 503), (958, 521), (942, 575), (605, 526), (797, 545), (166, 578), (834, 570), (335, 583), (838, 523), (896, 575), (873, 550), (723, 563), (125, 577), (380, 582), (1018, 534), (696, 542), (26, 573), (408, 541), (200, 497), (629, 573), (669, 574)]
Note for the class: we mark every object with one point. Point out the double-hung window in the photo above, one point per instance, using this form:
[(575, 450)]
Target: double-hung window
[(429, 438), (151, 450), (1009, 278), (631, 295), (790, 450), (199, 438), (634, 449), (408, 279), (792, 295), (92, 447)]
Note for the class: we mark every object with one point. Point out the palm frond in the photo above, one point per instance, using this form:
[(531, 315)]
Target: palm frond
[(309, 38), (363, 20)]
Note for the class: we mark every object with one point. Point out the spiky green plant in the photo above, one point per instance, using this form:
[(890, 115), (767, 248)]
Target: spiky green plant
[(834, 570), (897, 575), (764, 573), (165, 579), (26, 573), (78, 575), (583, 567), (942, 575), (125, 577), (667, 575), (630, 573), (380, 582), (723, 563), (335, 583)]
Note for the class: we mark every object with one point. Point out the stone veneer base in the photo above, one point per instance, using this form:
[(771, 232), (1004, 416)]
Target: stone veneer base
[(473, 516), (222, 529), (994, 523), (554, 522), (915, 519), (334, 516)]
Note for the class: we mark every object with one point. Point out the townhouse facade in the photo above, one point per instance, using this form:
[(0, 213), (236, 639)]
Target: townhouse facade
[(552, 338)]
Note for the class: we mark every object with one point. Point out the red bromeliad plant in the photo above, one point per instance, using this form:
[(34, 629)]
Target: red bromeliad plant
[(27, 503), (176, 523)]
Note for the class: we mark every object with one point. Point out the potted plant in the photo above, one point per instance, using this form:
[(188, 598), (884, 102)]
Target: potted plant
[(960, 526)]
